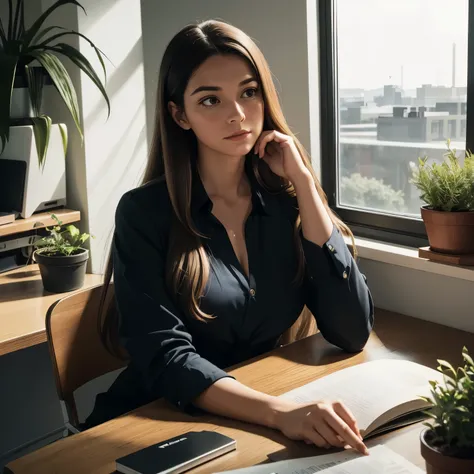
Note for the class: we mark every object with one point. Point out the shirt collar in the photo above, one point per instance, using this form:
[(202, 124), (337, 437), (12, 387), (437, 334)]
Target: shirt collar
[(263, 202)]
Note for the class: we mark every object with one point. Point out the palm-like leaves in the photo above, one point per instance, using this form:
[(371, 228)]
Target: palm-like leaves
[(19, 47)]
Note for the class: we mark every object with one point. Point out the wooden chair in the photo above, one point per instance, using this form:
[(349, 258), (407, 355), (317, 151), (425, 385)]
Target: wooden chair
[(76, 350)]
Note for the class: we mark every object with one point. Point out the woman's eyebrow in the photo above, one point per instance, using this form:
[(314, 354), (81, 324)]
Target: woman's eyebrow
[(216, 88)]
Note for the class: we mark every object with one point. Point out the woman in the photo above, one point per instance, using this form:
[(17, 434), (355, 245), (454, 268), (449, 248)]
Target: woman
[(228, 238)]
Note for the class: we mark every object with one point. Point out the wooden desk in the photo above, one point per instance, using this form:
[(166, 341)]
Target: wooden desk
[(94, 451), (23, 306)]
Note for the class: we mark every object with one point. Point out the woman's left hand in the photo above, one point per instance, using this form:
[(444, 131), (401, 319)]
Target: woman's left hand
[(281, 155)]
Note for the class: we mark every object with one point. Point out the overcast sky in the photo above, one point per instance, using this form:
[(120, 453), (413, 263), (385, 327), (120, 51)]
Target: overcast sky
[(377, 37)]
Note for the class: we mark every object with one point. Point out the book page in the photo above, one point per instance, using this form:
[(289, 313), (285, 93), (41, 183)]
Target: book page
[(381, 460), (371, 389)]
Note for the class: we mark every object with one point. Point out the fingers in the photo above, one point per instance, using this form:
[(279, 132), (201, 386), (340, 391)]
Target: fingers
[(263, 143), (312, 436), (344, 431), (347, 416), (267, 137), (329, 435)]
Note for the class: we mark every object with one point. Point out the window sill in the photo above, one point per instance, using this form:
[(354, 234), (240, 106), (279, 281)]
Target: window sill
[(408, 257)]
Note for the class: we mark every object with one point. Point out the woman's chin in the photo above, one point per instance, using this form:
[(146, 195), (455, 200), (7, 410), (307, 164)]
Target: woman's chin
[(238, 149)]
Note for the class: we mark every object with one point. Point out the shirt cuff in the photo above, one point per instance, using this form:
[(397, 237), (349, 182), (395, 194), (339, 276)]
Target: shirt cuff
[(194, 383), (332, 259)]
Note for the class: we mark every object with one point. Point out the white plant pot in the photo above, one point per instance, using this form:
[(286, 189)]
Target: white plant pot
[(20, 104), (45, 186)]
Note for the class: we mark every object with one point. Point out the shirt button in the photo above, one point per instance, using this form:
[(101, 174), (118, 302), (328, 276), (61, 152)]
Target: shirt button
[(344, 275), (252, 292)]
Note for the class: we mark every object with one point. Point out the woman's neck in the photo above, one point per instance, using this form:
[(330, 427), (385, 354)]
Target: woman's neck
[(223, 176)]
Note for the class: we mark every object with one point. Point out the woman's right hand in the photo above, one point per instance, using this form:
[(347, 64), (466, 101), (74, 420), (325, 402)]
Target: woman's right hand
[(324, 424)]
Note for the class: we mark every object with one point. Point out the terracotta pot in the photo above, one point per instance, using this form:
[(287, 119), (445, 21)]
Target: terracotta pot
[(437, 463), (449, 232)]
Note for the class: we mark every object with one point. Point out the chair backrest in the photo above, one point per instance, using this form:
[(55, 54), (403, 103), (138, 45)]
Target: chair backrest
[(76, 350)]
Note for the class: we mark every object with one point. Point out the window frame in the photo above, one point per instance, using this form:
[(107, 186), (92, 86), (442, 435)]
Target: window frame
[(366, 223)]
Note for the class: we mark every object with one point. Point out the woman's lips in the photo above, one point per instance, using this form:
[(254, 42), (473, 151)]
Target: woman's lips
[(238, 136)]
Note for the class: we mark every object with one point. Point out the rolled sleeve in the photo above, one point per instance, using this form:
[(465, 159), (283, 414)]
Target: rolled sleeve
[(151, 327), (337, 293)]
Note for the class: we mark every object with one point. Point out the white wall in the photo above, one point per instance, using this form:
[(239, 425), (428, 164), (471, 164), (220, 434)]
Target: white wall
[(113, 156), (438, 298), (279, 28)]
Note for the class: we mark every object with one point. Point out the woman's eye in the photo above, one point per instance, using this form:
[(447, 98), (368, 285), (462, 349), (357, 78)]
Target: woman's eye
[(250, 92), (209, 101)]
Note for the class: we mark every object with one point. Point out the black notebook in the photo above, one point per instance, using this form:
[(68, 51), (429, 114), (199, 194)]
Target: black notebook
[(176, 454)]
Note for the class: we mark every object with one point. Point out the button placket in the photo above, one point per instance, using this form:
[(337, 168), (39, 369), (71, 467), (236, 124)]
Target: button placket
[(252, 286)]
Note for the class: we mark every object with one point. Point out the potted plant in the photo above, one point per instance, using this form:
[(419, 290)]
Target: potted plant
[(447, 444), (62, 259), (448, 191), (20, 49)]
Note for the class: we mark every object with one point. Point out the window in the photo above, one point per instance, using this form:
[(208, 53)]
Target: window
[(452, 131), (393, 89)]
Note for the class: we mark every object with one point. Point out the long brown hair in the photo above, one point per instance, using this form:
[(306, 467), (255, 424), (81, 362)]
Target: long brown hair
[(171, 156)]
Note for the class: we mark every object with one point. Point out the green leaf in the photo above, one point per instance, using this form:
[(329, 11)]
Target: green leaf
[(63, 130), (62, 81), (33, 31), (61, 241), (35, 79), (10, 20), (426, 399), (98, 52), (56, 218), (8, 66), (82, 62), (73, 230), (84, 237), (69, 249), (468, 358), (446, 365), (3, 35), (43, 33), (446, 186), (42, 130), (22, 27), (16, 21)]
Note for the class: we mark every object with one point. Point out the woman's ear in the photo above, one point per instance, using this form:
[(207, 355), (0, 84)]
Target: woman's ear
[(178, 116)]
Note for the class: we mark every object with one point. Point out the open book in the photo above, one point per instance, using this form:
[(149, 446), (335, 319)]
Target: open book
[(382, 460), (382, 394)]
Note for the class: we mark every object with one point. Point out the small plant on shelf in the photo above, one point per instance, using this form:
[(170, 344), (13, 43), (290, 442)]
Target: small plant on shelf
[(61, 257)]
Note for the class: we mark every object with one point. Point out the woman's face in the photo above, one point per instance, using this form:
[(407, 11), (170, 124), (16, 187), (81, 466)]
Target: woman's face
[(222, 98)]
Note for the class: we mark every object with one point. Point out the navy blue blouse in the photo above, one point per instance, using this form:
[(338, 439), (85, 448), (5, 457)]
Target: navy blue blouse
[(175, 356)]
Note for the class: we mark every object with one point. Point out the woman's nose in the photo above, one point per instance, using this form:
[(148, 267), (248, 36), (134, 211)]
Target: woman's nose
[(237, 113)]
